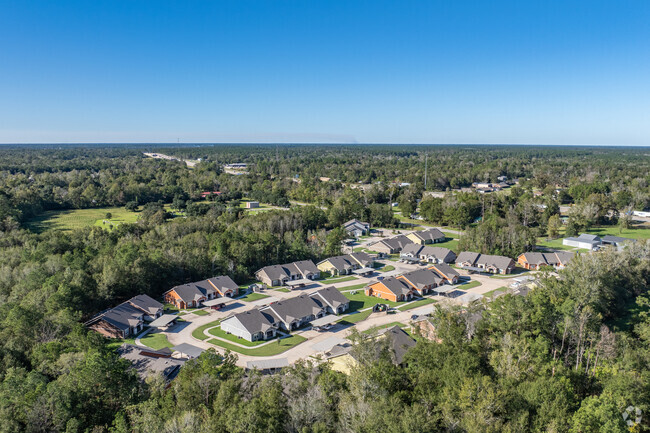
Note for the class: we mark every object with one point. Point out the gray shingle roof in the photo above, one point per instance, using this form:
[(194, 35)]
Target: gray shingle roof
[(295, 308), (422, 277), (223, 283), (445, 270), (122, 317), (255, 321), (146, 303), (430, 234), (342, 263), (500, 262), (194, 291), (397, 286), (329, 296), (400, 342), (396, 242), (279, 272), (467, 257)]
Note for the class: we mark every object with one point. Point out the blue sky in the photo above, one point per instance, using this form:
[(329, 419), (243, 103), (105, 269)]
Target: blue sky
[(453, 71)]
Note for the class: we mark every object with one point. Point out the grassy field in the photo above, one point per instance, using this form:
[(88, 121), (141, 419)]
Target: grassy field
[(283, 290), (416, 304), (633, 233), (274, 348), (352, 287), (253, 297), (156, 341), (68, 220), (199, 334)]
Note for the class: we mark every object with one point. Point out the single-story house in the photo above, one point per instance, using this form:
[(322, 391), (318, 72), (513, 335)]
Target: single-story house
[(485, 263), (446, 272), (422, 280), (295, 312), (346, 264), (533, 261), (356, 228), (279, 275), (341, 357), (126, 319), (251, 325), (391, 289), (585, 241), (190, 295), (428, 236), (151, 308), (428, 254), (118, 322), (331, 300), (391, 245)]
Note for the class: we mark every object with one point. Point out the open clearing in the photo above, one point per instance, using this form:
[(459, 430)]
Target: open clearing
[(68, 220)]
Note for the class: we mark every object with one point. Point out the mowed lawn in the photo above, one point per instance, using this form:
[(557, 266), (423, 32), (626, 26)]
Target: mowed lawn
[(156, 341), (360, 301), (275, 347), (68, 220), (633, 233)]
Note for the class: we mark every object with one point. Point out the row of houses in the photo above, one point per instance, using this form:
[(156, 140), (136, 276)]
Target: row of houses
[(286, 315), (478, 262), (358, 263), (534, 261), (192, 295), (429, 254), (292, 274), (419, 282), (397, 243)]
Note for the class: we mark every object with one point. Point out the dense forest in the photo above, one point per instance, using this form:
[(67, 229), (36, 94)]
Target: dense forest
[(570, 356)]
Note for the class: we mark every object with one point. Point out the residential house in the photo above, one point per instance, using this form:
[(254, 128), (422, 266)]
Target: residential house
[(534, 261), (151, 308), (346, 264), (342, 358), (295, 312), (331, 300), (485, 263), (446, 272), (251, 325), (427, 236), (279, 275), (422, 280), (356, 228), (225, 286), (118, 322), (391, 245), (428, 254), (391, 289), (190, 295), (585, 241)]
